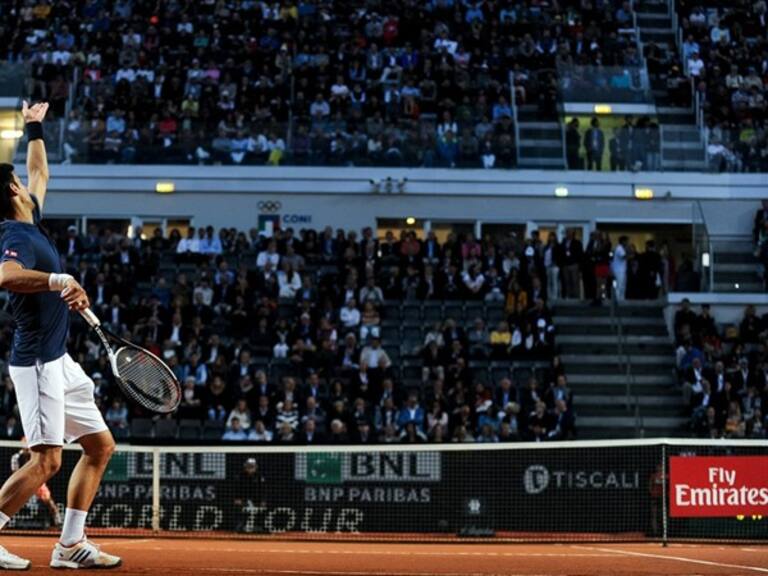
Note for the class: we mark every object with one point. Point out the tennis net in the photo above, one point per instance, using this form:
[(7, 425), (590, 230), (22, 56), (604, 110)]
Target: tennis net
[(661, 489)]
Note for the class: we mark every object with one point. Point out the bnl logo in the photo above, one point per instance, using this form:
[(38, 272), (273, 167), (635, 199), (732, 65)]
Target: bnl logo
[(329, 468)]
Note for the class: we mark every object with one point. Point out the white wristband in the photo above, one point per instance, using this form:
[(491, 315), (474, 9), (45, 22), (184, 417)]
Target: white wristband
[(57, 282)]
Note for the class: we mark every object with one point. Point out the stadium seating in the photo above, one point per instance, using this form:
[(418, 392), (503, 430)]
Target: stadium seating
[(307, 83), (401, 85), (722, 372), (202, 302)]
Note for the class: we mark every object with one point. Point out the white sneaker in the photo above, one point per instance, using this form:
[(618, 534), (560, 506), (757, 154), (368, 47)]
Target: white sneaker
[(84, 554), (10, 561)]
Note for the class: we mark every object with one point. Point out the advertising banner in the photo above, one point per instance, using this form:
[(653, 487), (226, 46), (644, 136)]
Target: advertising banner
[(718, 486)]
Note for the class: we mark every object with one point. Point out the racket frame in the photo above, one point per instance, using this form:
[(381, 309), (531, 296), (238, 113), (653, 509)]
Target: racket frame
[(102, 332)]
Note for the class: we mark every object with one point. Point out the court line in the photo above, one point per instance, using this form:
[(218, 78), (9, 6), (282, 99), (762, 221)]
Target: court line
[(340, 552), (360, 573), (676, 558), (129, 542)]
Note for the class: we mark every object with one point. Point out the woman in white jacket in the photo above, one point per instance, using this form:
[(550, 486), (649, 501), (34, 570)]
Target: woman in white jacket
[(288, 282)]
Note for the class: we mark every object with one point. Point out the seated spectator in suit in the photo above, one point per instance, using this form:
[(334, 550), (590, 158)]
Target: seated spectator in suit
[(692, 379), (309, 433), (412, 413), (562, 422), (478, 339)]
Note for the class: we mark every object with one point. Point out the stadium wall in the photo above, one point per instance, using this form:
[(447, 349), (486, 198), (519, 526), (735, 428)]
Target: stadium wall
[(354, 197)]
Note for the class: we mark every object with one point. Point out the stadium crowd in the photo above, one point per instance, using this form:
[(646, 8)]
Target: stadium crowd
[(724, 51), (297, 337), (723, 372), (399, 83), (339, 336)]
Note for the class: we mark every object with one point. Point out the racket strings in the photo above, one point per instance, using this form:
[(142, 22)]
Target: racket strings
[(149, 381)]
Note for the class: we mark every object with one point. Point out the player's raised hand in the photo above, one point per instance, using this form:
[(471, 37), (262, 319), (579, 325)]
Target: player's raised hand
[(34, 113)]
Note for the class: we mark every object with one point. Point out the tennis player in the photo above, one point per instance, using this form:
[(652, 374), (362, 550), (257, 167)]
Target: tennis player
[(54, 394)]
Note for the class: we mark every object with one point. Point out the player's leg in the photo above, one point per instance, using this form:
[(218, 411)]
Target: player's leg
[(86, 477), (74, 550), (40, 396), (43, 463), (84, 424)]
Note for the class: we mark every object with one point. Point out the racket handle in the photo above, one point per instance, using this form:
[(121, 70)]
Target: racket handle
[(90, 317)]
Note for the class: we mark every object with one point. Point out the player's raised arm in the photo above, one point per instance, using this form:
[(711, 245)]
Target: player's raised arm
[(37, 158)]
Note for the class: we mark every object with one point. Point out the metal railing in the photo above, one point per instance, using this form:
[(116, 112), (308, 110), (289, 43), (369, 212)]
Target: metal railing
[(632, 400), (513, 103), (703, 248), (607, 84), (698, 110), (638, 36)]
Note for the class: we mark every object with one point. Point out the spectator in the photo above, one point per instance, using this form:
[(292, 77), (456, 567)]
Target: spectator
[(478, 339), (287, 414), (268, 256), (369, 322), (242, 414), (240, 352), (501, 342), (234, 432), (572, 145), (350, 316), (594, 145), (619, 268), (411, 413), (573, 253), (289, 281), (374, 356), (117, 417)]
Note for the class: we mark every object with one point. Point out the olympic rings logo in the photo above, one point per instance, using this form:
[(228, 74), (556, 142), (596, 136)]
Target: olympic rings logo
[(269, 206)]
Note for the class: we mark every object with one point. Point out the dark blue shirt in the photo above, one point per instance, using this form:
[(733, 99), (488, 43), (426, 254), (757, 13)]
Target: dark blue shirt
[(42, 319)]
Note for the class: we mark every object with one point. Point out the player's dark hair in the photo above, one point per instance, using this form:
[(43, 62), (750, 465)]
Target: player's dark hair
[(6, 179)]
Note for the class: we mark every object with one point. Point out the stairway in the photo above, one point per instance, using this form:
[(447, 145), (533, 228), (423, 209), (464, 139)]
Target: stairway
[(736, 269), (682, 141), (656, 25), (541, 145), (587, 342), (682, 145)]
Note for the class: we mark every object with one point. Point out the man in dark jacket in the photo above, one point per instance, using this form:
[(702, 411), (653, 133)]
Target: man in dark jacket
[(594, 144), (572, 145), (650, 271), (573, 252)]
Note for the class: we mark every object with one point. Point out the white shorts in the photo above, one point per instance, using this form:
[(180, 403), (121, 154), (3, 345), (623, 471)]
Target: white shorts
[(56, 402)]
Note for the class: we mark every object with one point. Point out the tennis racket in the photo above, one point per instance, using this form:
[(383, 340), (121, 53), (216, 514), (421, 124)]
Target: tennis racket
[(141, 375)]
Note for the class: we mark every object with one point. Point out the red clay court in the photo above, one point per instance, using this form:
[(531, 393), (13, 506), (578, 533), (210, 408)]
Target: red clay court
[(273, 558)]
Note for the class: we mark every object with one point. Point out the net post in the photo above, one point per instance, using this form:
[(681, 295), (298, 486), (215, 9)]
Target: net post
[(155, 489), (665, 495)]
